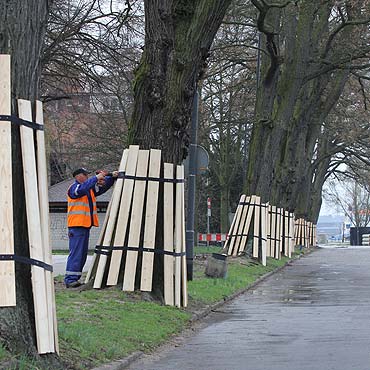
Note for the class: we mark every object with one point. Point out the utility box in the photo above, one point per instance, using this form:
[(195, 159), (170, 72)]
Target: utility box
[(356, 234)]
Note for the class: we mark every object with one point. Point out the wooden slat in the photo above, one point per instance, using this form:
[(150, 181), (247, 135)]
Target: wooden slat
[(168, 211), (235, 227), (257, 224), (7, 271), (268, 231), (111, 224), (278, 233), (123, 215), (184, 280), (264, 210), (42, 177), (247, 224), (34, 229), (239, 225), (150, 221), (178, 239), (136, 221), (95, 259), (273, 231)]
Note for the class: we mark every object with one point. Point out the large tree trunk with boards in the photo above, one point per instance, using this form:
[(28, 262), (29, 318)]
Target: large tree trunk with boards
[(22, 29), (178, 36), (294, 98)]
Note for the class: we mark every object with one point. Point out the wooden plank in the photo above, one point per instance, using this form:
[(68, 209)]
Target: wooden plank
[(286, 233), (184, 279), (238, 247), (7, 270), (247, 224), (178, 240), (95, 260), (242, 242), (273, 231), (277, 233), (257, 225), (42, 177), (123, 215), (34, 229), (136, 221), (268, 231), (291, 234), (150, 221), (168, 211), (227, 246), (111, 224), (232, 249), (264, 209)]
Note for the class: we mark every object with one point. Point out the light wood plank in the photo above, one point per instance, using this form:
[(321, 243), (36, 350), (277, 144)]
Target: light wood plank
[(184, 280), (278, 233), (247, 224), (238, 247), (178, 240), (168, 212), (268, 231), (34, 229), (42, 177), (7, 270), (136, 221), (257, 225), (273, 231), (227, 248), (232, 239), (264, 209), (150, 221), (123, 215), (111, 224)]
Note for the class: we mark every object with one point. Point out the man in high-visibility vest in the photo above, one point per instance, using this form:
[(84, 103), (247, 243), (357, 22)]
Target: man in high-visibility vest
[(82, 215)]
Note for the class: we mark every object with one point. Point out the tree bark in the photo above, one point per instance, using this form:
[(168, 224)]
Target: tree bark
[(178, 35), (22, 29)]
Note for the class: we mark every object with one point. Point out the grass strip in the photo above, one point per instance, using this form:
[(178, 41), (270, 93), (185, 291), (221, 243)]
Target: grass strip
[(99, 326)]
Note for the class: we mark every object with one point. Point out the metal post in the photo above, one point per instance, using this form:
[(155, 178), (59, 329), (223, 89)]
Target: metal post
[(191, 188), (208, 218)]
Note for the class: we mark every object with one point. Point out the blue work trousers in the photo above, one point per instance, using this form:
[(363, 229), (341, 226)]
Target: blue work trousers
[(78, 247)]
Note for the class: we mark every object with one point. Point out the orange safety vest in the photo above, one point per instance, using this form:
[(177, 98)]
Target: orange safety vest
[(79, 211)]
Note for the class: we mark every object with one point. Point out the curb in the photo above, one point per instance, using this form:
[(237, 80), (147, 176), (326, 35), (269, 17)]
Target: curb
[(122, 364)]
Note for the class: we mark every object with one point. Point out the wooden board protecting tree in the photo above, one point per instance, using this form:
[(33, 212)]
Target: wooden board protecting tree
[(123, 214), (273, 231), (7, 269), (168, 241), (42, 178), (264, 209), (136, 222), (247, 224), (150, 221), (286, 233), (238, 234), (134, 230), (44, 345), (229, 245), (257, 226), (268, 230), (278, 233), (111, 225), (291, 234)]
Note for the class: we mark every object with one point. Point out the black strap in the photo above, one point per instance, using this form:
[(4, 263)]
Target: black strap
[(26, 260), (244, 203), (108, 250), (21, 122), (122, 175)]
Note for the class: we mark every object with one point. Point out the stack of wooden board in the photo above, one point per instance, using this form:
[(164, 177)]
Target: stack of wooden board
[(366, 239), (272, 233), (37, 208), (131, 240), (305, 233)]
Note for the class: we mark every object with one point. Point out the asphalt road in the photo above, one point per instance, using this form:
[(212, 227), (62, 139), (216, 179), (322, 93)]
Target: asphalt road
[(312, 315)]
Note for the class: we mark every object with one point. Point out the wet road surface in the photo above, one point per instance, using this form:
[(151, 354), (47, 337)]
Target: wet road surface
[(312, 315)]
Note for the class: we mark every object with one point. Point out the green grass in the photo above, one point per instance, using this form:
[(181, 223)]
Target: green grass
[(103, 325), (206, 250), (3, 353), (240, 274), (99, 326)]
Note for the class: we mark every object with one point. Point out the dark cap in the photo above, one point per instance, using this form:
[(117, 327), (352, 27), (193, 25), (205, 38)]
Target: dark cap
[(80, 170)]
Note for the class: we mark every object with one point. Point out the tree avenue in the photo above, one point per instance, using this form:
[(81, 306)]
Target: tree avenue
[(311, 50)]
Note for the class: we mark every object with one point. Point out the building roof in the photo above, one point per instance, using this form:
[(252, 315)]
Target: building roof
[(58, 193)]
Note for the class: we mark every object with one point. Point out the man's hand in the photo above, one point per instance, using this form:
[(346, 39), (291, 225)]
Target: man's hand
[(115, 173), (100, 175)]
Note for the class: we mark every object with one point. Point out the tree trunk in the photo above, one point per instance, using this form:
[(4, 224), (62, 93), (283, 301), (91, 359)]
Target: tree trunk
[(292, 104), (22, 29), (178, 35)]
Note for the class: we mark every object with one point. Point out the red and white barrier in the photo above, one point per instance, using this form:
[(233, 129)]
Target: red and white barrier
[(212, 237)]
